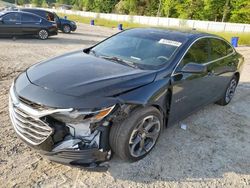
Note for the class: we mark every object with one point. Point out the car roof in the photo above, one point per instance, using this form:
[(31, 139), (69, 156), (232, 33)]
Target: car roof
[(7, 12), (181, 35), (34, 10)]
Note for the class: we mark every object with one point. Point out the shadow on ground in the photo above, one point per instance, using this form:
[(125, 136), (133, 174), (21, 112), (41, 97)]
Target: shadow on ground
[(53, 40), (216, 142)]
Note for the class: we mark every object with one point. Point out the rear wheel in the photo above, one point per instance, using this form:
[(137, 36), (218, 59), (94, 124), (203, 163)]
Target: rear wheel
[(136, 136), (43, 34), (66, 28), (229, 93)]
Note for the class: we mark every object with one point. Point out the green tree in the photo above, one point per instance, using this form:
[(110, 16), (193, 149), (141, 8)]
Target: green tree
[(44, 4), (36, 3), (66, 2), (190, 9), (20, 2), (240, 11), (168, 7)]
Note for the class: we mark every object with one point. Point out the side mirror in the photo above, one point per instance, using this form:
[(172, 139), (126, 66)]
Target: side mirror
[(194, 68)]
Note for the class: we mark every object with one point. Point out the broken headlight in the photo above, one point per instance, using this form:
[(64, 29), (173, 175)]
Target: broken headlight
[(76, 116)]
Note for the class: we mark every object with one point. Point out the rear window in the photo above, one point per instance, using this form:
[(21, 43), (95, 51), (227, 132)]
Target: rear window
[(12, 17)]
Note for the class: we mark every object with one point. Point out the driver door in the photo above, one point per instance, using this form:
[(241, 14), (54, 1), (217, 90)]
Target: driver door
[(190, 90), (11, 24)]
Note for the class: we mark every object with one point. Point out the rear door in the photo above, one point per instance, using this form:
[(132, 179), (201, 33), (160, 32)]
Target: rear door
[(222, 65), (190, 90), (30, 23), (11, 24)]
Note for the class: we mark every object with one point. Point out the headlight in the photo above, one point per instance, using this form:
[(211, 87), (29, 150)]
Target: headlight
[(77, 116)]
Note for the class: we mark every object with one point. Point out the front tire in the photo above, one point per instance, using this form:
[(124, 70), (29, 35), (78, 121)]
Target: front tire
[(229, 93), (66, 28), (43, 34), (136, 136)]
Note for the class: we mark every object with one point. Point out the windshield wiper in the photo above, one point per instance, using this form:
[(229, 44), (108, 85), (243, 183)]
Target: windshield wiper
[(116, 59)]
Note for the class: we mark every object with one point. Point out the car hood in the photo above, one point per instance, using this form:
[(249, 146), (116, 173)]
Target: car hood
[(78, 74)]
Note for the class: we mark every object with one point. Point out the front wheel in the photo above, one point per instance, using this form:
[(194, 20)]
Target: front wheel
[(66, 29), (136, 136), (43, 34), (229, 93)]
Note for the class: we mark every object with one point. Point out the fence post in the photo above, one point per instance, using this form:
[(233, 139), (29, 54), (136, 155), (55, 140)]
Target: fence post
[(225, 27), (244, 27)]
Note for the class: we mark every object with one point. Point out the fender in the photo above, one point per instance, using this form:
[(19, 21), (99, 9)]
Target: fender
[(153, 94)]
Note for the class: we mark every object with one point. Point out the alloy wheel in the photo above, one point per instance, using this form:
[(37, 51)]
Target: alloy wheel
[(231, 90), (43, 34), (66, 29), (144, 136)]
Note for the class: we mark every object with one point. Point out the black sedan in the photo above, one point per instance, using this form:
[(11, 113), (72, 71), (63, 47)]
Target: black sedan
[(119, 95), (64, 25), (14, 23)]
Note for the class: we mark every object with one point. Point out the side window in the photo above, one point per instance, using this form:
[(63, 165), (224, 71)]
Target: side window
[(56, 17), (229, 48), (218, 49), (198, 53), (30, 18), (50, 16), (12, 18)]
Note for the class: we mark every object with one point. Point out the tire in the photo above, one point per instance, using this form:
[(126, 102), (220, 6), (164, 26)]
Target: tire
[(127, 136), (66, 28), (43, 34), (229, 93)]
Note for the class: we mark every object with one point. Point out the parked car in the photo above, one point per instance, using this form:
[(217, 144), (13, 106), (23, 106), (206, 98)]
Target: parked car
[(13, 23), (64, 25), (119, 95)]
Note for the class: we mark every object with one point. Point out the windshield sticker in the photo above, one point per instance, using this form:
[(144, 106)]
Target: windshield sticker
[(170, 42)]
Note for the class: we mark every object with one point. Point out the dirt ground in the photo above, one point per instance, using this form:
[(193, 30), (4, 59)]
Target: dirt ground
[(214, 151)]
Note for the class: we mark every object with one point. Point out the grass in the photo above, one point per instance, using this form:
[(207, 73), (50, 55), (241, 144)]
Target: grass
[(244, 38)]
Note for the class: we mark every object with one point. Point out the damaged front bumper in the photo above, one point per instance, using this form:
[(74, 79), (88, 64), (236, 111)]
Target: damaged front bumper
[(82, 144)]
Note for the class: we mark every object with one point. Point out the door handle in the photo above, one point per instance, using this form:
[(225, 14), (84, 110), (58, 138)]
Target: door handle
[(18, 23)]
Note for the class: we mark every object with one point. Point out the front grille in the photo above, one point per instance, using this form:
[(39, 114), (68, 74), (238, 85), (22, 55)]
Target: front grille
[(30, 128)]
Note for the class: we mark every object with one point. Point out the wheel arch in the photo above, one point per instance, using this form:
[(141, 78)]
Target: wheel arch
[(67, 25), (163, 106), (237, 74)]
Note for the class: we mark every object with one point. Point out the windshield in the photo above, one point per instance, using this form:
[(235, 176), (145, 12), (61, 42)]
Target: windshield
[(149, 51)]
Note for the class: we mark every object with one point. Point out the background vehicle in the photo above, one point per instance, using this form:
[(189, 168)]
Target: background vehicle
[(63, 24), (80, 106), (13, 23)]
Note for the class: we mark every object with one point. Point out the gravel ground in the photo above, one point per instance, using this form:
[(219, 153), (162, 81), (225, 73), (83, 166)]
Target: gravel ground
[(214, 151)]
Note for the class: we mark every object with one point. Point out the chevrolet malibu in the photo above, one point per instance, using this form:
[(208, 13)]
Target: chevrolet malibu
[(118, 95)]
